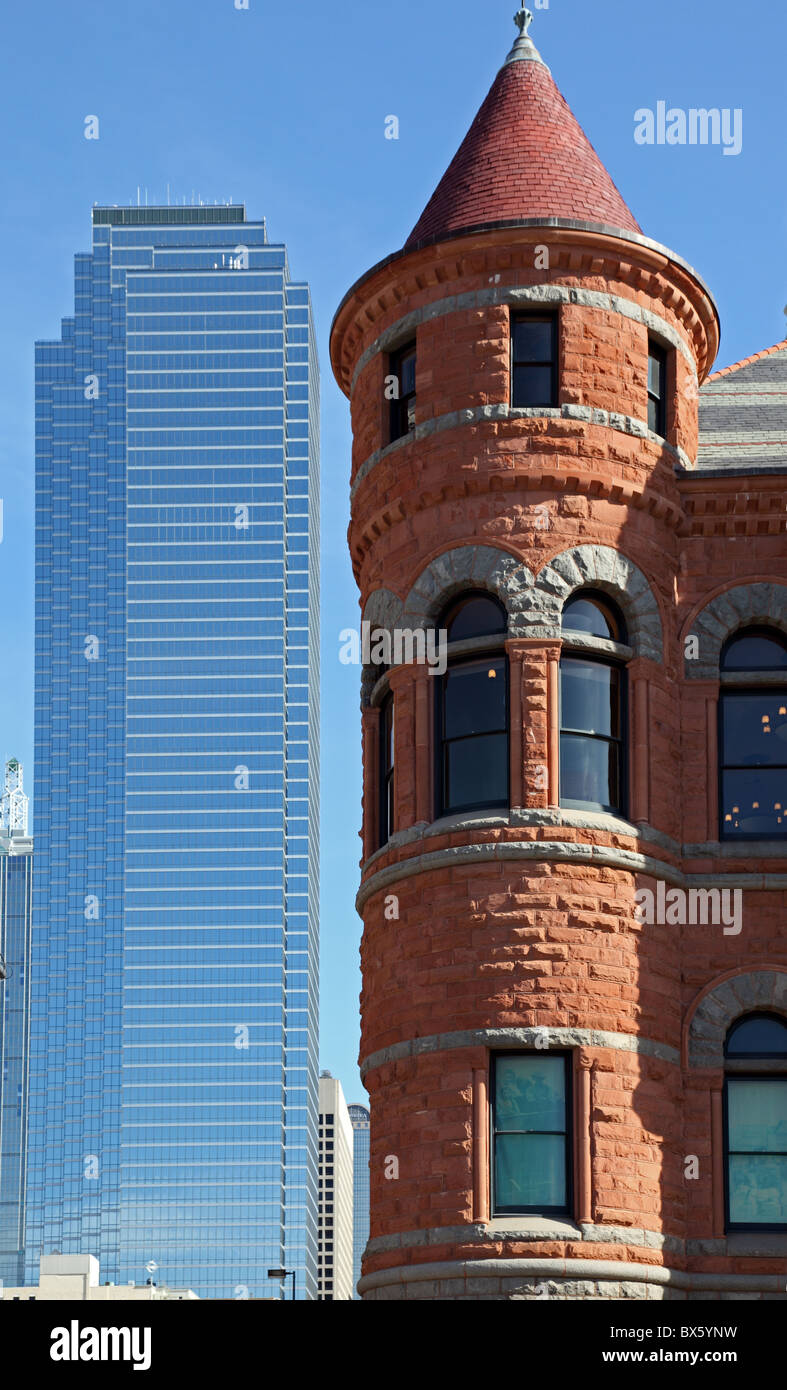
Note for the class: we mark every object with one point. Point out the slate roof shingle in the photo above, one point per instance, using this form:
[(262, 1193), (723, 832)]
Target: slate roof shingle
[(743, 415)]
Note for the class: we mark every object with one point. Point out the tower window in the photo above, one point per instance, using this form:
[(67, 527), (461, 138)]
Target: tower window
[(755, 1105), (472, 712), (402, 367), (657, 389), (534, 378), (386, 770), (531, 1170), (592, 710), (753, 737)]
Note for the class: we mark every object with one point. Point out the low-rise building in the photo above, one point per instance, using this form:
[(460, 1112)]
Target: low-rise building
[(335, 1231), (76, 1279)]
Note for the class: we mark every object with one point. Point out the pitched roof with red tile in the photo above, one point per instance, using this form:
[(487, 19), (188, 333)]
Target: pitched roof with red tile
[(525, 156)]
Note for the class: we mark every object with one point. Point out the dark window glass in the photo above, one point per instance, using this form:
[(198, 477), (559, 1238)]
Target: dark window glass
[(755, 650), (758, 1035), (591, 735), (657, 389), (476, 615), (473, 735), (386, 770), (753, 739), (530, 1110), (402, 366), (587, 613), (534, 361)]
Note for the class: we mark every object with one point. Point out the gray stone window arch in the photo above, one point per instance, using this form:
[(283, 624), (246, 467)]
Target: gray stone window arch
[(479, 567), (607, 571), (756, 991), (747, 605)]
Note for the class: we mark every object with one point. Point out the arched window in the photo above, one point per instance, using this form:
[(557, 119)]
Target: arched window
[(756, 1123), (472, 709), (592, 706), (753, 736)]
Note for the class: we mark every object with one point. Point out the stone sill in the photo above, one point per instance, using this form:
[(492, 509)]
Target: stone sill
[(533, 1228)]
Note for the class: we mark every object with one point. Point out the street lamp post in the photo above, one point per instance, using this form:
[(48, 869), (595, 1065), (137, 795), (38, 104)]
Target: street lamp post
[(283, 1274)]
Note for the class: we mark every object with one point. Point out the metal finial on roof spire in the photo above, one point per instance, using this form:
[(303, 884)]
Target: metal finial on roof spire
[(524, 19), (524, 49)]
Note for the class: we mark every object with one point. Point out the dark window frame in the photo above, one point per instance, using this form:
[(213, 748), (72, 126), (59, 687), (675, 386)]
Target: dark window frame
[(399, 414), (736, 1078), (609, 610), (566, 1211), (658, 352), (622, 741), (553, 319), (441, 743), (741, 837), (467, 596), (495, 652), (756, 1015), (773, 634), (386, 772)]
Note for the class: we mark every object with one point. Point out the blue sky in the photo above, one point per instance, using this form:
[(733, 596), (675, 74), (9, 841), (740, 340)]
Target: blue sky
[(283, 107)]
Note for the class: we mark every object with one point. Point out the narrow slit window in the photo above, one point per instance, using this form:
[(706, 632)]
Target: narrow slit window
[(534, 361), (657, 389)]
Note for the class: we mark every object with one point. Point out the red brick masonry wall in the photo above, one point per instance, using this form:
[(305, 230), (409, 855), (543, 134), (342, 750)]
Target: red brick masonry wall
[(527, 920)]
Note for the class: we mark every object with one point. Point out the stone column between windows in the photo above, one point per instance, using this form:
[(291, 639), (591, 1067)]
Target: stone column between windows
[(583, 1151), (640, 742), (370, 736), (534, 712), (553, 748), (481, 1174), (516, 657), (402, 681)]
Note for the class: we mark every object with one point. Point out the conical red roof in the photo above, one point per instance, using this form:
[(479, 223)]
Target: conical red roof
[(525, 155)]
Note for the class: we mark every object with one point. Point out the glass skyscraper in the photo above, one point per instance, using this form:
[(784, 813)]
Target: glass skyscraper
[(16, 900), (173, 1088), (360, 1121)]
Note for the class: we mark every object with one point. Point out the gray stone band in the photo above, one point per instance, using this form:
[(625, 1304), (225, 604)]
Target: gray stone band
[(615, 1279), (550, 816), (519, 1229), (561, 852), (519, 1037), (517, 296), (624, 424)]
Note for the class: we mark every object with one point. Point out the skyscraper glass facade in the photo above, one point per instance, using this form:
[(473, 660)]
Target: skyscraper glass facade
[(16, 888), (359, 1119), (173, 1110)]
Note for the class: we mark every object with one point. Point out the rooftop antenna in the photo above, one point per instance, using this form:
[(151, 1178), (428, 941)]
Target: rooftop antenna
[(137, 195), (14, 803), (167, 195)]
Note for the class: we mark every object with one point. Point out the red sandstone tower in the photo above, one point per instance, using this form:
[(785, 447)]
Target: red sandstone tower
[(574, 1035)]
